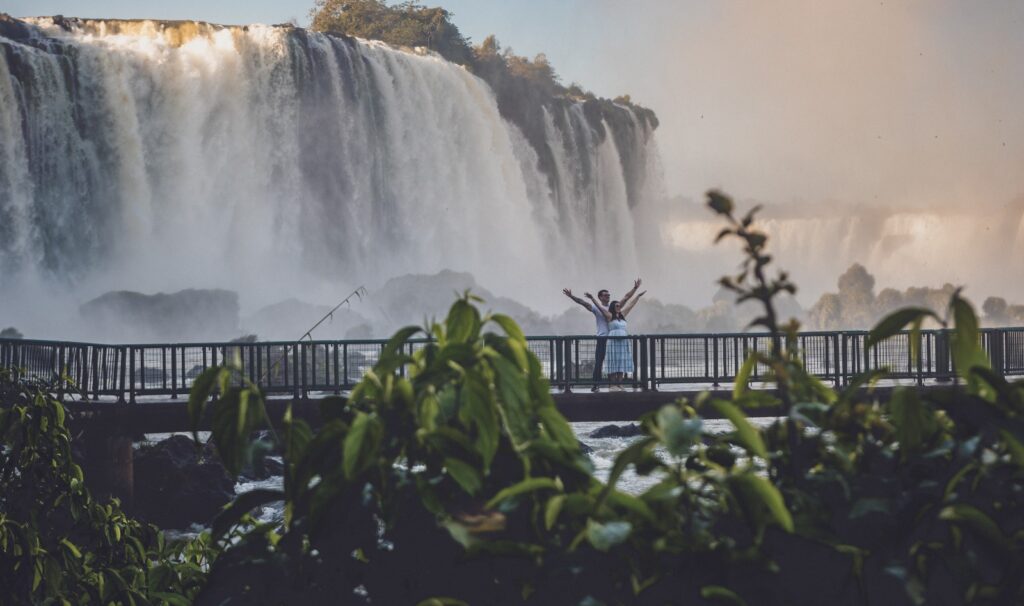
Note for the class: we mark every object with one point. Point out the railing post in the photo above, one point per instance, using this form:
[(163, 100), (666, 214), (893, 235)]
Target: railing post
[(337, 383), (641, 346), (131, 374), (841, 361), (996, 346), (652, 357), (567, 361), (714, 346), (174, 374), (344, 362)]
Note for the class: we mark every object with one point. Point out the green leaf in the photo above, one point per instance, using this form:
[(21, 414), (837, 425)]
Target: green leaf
[(477, 409), (467, 476), (966, 347), (200, 394), (557, 427), (236, 414), (524, 486), (395, 343), (463, 323), (895, 322), (360, 445), (748, 436), (743, 376), (678, 434), (978, 522), (509, 326), (243, 504), (297, 435), (719, 202), (722, 594), (514, 402), (605, 536), (754, 486), (633, 454), (71, 547), (631, 503), (552, 509)]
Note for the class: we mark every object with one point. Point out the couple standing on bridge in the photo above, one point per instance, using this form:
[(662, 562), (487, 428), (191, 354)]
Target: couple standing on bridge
[(615, 360)]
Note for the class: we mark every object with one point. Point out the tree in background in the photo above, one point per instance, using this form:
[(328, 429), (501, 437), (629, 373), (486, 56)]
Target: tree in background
[(407, 24)]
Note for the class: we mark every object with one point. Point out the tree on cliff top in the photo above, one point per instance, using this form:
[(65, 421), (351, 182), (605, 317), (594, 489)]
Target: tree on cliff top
[(406, 24)]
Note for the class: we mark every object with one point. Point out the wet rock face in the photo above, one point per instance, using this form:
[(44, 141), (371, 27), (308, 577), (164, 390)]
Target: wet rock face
[(177, 485), (192, 314), (617, 431)]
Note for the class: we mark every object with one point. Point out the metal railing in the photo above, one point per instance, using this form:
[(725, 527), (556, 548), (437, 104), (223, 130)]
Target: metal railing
[(126, 372)]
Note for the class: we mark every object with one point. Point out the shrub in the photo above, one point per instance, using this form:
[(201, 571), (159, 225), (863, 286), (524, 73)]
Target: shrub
[(449, 477), (58, 544)]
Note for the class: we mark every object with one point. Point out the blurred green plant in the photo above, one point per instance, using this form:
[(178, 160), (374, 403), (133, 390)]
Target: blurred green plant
[(448, 477), (60, 546)]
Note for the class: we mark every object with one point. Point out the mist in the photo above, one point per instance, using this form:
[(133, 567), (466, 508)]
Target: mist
[(900, 104)]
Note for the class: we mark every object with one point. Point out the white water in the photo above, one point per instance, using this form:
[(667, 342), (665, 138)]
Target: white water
[(280, 163)]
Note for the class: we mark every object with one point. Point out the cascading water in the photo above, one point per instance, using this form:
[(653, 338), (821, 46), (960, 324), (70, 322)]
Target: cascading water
[(279, 162)]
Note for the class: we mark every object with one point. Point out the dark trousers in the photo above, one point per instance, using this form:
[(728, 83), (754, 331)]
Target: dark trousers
[(602, 344)]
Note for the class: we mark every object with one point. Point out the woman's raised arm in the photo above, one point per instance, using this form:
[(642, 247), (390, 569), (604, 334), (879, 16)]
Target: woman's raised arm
[(629, 306)]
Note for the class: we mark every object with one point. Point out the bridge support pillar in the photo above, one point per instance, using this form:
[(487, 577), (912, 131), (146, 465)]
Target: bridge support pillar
[(109, 466)]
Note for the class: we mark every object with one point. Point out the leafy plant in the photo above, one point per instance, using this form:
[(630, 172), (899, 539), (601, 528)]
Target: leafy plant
[(58, 544), (449, 477)]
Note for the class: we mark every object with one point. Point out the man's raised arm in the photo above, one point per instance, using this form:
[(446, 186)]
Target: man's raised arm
[(569, 294)]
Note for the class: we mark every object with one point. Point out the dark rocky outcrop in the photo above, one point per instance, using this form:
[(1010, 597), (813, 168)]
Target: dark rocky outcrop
[(617, 431), (177, 485), (192, 314), (584, 448)]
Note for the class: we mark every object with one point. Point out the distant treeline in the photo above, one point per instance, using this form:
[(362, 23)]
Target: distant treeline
[(856, 306)]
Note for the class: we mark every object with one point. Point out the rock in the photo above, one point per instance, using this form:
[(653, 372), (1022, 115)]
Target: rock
[(176, 485), (584, 448), (617, 431), (193, 314)]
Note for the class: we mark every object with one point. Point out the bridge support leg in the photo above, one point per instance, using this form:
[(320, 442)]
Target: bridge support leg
[(109, 467)]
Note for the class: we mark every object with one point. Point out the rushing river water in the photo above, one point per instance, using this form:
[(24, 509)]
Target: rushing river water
[(603, 457)]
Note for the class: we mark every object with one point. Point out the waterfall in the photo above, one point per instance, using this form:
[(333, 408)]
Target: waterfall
[(278, 162)]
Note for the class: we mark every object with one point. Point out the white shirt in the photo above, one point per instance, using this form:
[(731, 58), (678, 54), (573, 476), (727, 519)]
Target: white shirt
[(602, 324)]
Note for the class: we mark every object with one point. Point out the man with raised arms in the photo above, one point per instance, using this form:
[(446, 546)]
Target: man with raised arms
[(599, 307)]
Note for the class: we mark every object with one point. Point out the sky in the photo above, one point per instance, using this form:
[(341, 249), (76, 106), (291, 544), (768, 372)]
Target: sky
[(914, 103)]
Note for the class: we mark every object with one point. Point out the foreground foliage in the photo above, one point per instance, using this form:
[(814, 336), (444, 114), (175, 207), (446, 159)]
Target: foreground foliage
[(449, 477), (58, 544)]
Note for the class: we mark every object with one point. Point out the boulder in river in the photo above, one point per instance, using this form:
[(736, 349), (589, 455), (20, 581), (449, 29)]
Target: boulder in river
[(177, 485), (617, 431)]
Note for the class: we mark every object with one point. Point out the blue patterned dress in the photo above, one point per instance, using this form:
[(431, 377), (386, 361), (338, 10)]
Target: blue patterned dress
[(619, 356)]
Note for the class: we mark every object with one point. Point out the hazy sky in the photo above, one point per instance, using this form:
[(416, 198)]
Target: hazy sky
[(891, 103)]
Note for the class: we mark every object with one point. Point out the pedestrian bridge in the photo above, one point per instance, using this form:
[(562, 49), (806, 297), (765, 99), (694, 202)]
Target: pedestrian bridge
[(130, 372)]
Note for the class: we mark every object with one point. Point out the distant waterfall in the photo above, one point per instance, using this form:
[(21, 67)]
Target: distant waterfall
[(167, 155)]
